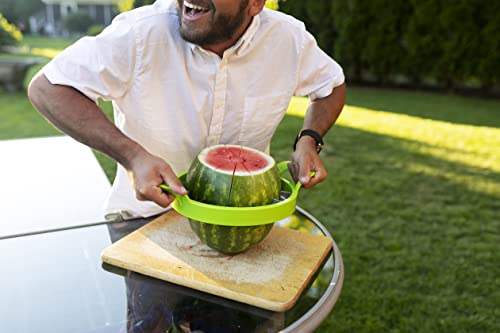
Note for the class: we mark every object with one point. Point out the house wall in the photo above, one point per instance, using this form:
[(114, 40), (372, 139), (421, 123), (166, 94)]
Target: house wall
[(52, 20)]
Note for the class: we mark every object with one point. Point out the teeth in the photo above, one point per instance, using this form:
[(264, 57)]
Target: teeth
[(192, 6)]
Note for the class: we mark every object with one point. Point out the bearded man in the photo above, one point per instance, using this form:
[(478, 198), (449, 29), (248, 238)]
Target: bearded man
[(184, 75)]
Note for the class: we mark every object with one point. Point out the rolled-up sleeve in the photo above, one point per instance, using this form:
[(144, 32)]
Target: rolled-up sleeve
[(318, 73), (100, 66)]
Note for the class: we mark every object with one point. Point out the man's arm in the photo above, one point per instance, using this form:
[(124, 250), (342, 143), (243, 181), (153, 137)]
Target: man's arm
[(79, 117), (320, 116)]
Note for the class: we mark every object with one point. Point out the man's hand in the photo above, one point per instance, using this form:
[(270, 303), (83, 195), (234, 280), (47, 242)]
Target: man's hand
[(304, 160), (147, 172)]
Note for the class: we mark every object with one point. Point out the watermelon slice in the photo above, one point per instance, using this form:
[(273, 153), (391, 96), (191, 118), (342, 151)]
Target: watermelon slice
[(234, 176)]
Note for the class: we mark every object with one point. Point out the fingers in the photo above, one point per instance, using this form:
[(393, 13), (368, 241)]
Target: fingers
[(172, 181), (149, 174), (308, 169), (162, 198), (152, 192), (155, 194), (307, 179), (293, 168)]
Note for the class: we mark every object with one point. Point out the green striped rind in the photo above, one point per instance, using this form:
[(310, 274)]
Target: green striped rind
[(207, 185), (258, 190), (230, 240)]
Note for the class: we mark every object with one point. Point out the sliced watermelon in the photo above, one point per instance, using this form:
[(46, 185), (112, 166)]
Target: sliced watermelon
[(235, 176)]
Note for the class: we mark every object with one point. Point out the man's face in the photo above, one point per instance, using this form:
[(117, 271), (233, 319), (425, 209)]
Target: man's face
[(208, 22)]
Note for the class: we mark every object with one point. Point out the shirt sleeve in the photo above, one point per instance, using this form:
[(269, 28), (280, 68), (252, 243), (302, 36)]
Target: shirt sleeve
[(100, 66), (318, 74)]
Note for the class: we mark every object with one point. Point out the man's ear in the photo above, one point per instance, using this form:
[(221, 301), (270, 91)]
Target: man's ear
[(255, 6)]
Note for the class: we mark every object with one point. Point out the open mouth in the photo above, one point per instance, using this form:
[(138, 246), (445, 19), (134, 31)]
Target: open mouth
[(193, 11)]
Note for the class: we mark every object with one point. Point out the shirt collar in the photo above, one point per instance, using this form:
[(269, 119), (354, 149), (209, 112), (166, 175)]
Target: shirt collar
[(242, 43), (248, 36)]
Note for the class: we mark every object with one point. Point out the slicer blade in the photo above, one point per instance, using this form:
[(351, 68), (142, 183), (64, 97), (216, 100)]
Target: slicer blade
[(283, 196)]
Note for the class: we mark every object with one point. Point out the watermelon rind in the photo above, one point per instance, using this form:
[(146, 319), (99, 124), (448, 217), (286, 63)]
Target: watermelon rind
[(227, 239), (233, 189)]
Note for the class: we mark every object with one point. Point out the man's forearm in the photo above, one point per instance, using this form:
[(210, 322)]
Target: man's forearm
[(322, 114), (79, 117)]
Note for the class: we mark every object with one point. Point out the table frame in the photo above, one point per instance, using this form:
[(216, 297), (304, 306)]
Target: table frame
[(317, 314)]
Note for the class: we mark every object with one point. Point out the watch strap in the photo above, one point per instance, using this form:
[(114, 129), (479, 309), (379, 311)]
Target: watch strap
[(315, 135)]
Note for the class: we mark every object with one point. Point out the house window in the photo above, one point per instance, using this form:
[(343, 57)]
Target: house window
[(56, 12), (99, 15)]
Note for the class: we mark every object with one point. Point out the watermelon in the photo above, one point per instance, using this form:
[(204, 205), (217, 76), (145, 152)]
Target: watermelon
[(235, 176)]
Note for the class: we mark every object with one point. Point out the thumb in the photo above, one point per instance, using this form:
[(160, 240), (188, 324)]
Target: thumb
[(173, 182), (304, 173)]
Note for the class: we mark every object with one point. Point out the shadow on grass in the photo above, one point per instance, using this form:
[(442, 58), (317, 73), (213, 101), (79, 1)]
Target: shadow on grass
[(452, 109), (419, 247)]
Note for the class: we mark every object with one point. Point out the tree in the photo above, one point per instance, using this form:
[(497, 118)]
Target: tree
[(78, 22), (9, 34), (17, 11)]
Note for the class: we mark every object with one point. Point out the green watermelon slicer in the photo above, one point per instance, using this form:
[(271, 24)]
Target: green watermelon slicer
[(238, 216)]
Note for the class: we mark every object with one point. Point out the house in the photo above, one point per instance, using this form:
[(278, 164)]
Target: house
[(50, 20)]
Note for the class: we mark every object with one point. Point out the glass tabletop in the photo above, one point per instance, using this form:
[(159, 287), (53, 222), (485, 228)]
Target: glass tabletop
[(56, 282)]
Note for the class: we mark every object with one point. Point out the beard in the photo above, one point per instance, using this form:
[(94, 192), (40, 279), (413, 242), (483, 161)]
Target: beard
[(219, 28)]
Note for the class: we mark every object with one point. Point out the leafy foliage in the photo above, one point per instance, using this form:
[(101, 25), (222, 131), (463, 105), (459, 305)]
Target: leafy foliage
[(125, 5), (78, 22), (441, 42), (272, 4), (17, 11), (9, 34), (95, 29)]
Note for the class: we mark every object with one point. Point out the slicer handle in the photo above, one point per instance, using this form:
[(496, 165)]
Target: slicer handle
[(283, 166), (166, 188)]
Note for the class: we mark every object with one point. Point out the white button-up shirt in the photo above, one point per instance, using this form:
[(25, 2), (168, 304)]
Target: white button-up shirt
[(175, 98)]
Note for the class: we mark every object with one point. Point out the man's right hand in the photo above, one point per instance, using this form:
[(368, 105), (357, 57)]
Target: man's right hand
[(147, 173)]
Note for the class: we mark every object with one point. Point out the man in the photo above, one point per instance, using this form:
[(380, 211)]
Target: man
[(184, 75)]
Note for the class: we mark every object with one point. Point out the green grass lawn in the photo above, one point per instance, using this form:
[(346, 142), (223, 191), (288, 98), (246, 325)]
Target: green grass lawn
[(412, 200), (40, 42)]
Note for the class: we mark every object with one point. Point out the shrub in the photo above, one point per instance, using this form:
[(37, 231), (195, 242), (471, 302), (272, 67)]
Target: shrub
[(9, 34), (95, 29), (272, 4), (78, 22), (140, 3), (448, 44)]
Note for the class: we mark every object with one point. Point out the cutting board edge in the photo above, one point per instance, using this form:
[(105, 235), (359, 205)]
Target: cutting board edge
[(288, 305), (276, 306), (171, 278), (111, 256)]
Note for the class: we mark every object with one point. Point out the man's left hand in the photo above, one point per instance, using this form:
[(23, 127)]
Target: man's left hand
[(305, 159)]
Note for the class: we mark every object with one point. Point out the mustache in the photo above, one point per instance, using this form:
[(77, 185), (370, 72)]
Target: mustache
[(204, 4)]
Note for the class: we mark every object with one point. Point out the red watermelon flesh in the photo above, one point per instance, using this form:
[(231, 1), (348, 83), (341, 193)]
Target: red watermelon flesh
[(234, 158)]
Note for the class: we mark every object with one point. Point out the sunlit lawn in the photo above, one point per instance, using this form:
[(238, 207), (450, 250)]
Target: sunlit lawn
[(412, 200)]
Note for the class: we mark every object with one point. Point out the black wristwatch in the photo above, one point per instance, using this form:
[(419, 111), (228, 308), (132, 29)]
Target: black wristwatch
[(314, 135)]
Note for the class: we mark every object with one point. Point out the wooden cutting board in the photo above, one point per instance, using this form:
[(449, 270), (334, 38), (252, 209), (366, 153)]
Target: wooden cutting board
[(270, 275)]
